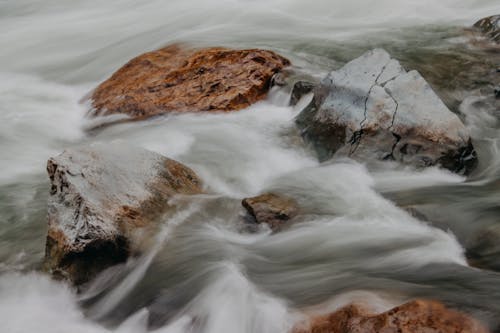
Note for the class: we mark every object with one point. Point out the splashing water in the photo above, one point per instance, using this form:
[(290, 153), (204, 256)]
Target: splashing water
[(358, 236)]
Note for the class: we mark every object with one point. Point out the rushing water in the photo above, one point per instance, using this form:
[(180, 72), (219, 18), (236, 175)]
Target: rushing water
[(355, 240)]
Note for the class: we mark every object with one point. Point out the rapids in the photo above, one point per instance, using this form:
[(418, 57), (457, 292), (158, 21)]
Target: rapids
[(358, 238)]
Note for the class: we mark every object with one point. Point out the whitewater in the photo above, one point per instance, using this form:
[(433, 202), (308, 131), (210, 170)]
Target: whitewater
[(355, 240)]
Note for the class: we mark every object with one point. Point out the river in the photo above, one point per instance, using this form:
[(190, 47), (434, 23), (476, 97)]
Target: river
[(355, 241)]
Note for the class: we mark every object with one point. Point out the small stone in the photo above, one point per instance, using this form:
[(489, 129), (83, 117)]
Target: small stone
[(272, 209), (490, 27), (300, 89)]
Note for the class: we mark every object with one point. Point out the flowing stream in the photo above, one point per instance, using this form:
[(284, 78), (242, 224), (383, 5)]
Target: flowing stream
[(358, 238)]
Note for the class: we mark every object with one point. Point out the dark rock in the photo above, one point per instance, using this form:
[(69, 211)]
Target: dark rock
[(300, 89), (179, 79), (490, 27), (420, 316), (272, 209), (373, 109), (103, 205)]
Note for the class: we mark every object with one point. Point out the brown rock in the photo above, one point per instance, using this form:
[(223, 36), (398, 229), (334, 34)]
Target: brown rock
[(272, 209), (490, 27), (180, 79), (420, 316), (103, 205)]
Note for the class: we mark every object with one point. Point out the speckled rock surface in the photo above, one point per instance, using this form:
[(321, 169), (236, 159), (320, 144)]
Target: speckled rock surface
[(272, 209), (181, 79), (104, 200), (490, 27), (420, 316), (372, 108)]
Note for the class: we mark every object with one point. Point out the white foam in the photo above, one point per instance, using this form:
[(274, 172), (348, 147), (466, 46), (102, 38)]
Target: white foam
[(90, 39), (37, 120), (236, 153), (35, 303)]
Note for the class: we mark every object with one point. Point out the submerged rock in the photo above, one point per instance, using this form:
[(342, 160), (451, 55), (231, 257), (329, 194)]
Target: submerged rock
[(104, 200), (181, 79), (420, 316), (272, 209), (490, 27), (372, 108)]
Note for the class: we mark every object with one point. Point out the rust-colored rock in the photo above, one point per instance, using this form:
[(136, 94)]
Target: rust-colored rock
[(272, 209), (420, 316), (180, 79)]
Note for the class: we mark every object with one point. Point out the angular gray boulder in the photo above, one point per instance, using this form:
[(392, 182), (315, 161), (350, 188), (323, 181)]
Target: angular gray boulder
[(372, 108), (103, 205), (490, 27)]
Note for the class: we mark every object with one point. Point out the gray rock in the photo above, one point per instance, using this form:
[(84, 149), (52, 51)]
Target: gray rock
[(103, 203), (373, 109), (490, 27)]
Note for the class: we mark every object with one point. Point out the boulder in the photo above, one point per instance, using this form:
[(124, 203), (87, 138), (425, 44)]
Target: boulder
[(372, 108), (490, 27), (181, 79), (272, 209), (420, 316), (103, 205)]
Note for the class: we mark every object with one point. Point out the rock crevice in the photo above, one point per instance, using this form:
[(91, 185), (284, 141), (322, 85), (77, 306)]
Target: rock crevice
[(372, 108)]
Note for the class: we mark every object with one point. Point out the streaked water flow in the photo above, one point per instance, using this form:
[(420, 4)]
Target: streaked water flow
[(359, 236)]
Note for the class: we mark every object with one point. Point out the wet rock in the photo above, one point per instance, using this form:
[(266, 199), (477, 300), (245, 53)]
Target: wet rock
[(460, 71), (272, 209), (104, 200), (180, 79), (483, 250), (300, 89), (490, 27), (372, 108), (420, 316)]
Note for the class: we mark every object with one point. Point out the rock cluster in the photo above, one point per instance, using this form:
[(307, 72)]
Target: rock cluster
[(106, 199)]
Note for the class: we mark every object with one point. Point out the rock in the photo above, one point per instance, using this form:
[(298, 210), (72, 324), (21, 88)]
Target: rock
[(179, 79), (374, 109), (490, 27), (462, 70), (483, 250), (420, 316), (104, 200), (300, 89), (272, 209)]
